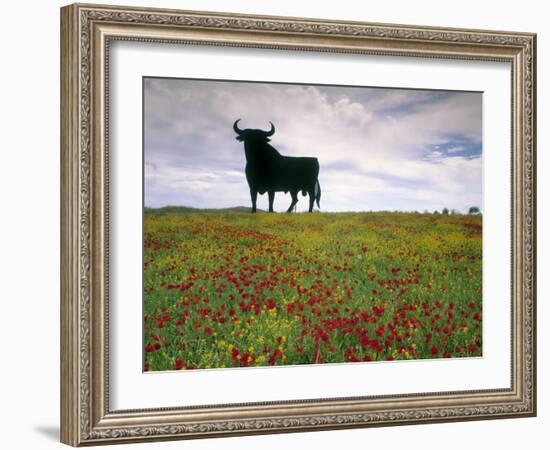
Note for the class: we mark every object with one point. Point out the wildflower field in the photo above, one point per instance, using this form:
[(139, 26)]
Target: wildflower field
[(234, 289)]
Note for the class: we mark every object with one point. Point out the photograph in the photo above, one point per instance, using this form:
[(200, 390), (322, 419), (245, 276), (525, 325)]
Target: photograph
[(273, 221), (287, 224)]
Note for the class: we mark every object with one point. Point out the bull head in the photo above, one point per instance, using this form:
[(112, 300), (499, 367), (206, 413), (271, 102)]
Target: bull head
[(253, 135)]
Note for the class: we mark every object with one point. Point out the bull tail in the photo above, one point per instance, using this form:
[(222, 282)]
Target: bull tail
[(318, 194)]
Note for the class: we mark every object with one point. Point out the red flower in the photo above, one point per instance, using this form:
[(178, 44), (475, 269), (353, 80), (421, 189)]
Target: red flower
[(277, 354), (246, 359), (371, 343), (434, 350), (235, 353), (472, 348), (350, 355), (179, 364), (149, 348)]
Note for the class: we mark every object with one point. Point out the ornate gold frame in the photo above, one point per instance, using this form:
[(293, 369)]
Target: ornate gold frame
[(86, 31)]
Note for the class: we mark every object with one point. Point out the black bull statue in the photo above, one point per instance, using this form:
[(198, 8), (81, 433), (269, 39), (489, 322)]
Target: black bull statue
[(269, 171)]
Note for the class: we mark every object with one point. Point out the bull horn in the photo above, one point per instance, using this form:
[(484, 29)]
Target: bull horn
[(272, 131), (236, 128)]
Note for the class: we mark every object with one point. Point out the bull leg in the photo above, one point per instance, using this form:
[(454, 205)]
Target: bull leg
[(271, 195), (311, 193), (253, 196), (294, 195)]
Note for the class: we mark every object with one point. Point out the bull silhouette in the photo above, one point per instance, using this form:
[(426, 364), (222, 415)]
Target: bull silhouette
[(269, 171)]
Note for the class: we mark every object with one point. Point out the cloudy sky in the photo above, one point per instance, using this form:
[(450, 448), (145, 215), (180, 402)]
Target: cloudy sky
[(378, 148)]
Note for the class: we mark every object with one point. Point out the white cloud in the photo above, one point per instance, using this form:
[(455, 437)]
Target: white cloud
[(191, 154), (456, 149)]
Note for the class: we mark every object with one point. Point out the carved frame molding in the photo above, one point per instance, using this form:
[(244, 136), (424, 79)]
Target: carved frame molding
[(86, 32)]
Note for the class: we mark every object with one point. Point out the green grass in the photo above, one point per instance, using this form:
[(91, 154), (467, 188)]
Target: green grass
[(233, 289)]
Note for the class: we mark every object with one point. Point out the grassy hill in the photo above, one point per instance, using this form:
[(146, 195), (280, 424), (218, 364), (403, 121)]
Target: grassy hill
[(241, 289), (188, 209)]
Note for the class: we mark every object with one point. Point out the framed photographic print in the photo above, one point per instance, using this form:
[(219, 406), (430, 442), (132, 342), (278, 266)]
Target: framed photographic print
[(276, 224)]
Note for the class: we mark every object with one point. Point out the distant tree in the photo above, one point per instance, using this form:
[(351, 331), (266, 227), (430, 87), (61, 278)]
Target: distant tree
[(445, 211), (474, 210), (436, 212)]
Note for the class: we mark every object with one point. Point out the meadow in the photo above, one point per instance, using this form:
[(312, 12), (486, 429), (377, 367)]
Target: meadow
[(234, 289)]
